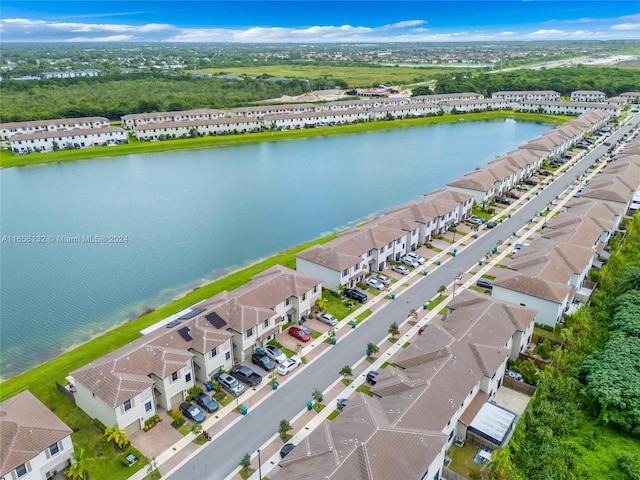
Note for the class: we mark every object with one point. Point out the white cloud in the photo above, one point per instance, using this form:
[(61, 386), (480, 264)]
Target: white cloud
[(549, 33), (110, 38), (626, 26)]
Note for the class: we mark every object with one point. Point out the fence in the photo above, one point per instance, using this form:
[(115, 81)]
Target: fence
[(64, 391), (448, 474), (520, 387)]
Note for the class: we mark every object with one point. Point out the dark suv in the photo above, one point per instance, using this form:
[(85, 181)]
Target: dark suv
[(356, 295)]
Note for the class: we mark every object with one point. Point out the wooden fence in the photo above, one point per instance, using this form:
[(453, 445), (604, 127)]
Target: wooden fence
[(520, 387), (65, 392)]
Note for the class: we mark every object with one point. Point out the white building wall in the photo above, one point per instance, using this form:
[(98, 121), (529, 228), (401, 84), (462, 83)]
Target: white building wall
[(94, 406), (330, 278), (549, 313)]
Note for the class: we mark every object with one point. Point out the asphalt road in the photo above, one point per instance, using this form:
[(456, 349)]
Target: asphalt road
[(220, 457)]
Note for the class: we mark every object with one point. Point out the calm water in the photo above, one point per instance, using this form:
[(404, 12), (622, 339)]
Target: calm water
[(187, 217)]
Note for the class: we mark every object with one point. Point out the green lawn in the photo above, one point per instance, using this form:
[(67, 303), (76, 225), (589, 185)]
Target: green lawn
[(462, 459)]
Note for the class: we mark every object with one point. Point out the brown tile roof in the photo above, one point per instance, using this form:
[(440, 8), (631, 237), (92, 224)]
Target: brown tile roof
[(534, 287), (65, 133), (54, 121), (328, 257), (27, 428)]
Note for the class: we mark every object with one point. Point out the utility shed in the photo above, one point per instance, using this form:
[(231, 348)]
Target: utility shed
[(492, 423)]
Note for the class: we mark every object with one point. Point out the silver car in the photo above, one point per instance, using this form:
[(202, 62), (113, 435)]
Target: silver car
[(230, 384), (373, 283), (383, 279), (274, 353), (400, 269), (328, 319)]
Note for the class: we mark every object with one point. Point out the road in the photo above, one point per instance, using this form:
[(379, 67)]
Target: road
[(220, 457)]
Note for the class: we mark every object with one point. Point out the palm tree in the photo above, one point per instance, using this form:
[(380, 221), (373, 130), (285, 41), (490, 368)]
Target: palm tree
[(442, 289), (630, 279), (78, 469), (321, 303), (118, 435), (346, 371)]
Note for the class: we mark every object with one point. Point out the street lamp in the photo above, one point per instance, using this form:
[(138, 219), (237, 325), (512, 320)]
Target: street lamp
[(259, 466)]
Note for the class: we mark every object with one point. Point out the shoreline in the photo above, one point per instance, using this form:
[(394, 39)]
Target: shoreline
[(9, 160), (127, 330)]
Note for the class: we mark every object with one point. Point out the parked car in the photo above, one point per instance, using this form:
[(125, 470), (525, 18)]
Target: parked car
[(206, 402), (503, 200), (515, 195), (371, 377), (327, 318), (607, 144), (356, 295), (410, 262), (275, 354), (531, 181), (286, 449), (297, 332), (230, 384), (544, 173), (491, 224), (400, 269), (288, 365), (262, 360), (523, 187), (246, 375), (383, 278), (475, 220), (192, 412), (484, 283), (373, 283), (416, 257)]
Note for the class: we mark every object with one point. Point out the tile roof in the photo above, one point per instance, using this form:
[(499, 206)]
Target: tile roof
[(28, 427), (532, 286)]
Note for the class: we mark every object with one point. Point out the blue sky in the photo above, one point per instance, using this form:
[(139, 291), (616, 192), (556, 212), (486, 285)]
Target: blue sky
[(317, 21)]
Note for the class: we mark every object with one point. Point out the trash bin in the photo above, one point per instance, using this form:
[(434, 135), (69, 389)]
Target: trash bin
[(319, 397), (309, 405), (244, 410), (424, 272), (425, 306), (393, 296), (479, 262), (209, 387), (333, 340), (353, 324), (475, 235), (438, 262), (274, 385)]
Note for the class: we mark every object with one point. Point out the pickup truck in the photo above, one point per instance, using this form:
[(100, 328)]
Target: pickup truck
[(246, 375)]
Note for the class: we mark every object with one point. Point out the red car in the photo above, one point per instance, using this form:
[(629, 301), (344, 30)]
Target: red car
[(515, 195), (300, 334)]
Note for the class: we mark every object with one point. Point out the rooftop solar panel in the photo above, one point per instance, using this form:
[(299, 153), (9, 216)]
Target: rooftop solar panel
[(184, 333), (216, 320), (192, 313)]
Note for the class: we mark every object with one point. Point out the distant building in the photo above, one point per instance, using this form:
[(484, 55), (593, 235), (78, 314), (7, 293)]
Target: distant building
[(588, 96), (69, 74), (80, 138)]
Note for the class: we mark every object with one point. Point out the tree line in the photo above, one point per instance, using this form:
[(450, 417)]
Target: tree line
[(610, 80)]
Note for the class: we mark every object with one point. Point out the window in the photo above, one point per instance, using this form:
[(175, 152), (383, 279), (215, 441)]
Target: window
[(315, 289), (345, 272), (187, 378), (250, 332), (174, 376), (147, 407), (266, 323), (227, 356), (287, 301), (53, 449), (21, 471), (214, 352), (127, 405), (304, 297)]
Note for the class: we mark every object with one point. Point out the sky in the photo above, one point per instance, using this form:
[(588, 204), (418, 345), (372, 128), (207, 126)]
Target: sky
[(324, 21)]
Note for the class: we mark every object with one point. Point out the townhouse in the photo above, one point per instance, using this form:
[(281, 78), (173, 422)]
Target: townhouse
[(631, 97), (415, 407), (127, 386), (546, 275), (133, 120), (7, 130), (256, 312), (588, 96), (183, 129), (475, 105), (36, 444), (404, 111), (519, 96), (49, 141), (446, 97), (351, 256), (347, 259), (566, 108), (485, 182), (314, 119), (269, 110)]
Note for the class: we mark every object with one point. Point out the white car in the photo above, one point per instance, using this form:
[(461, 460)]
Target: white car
[(288, 365), (373, 283), (410, 262), (400, 269), (328, 319), (383, 279), (416, 257), (275, 354)]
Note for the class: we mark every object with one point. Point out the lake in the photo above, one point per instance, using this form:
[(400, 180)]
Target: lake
[(87, 245)]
